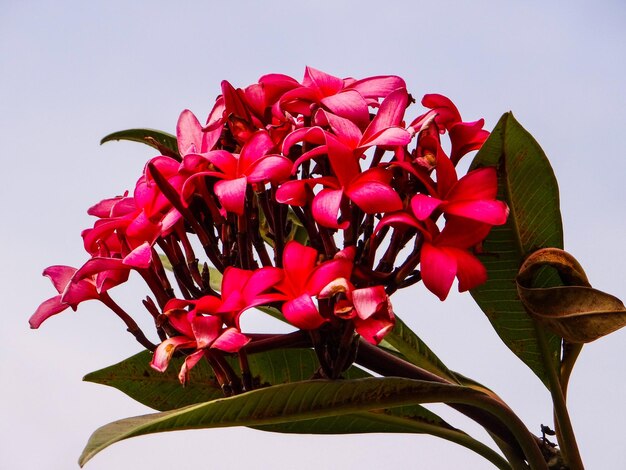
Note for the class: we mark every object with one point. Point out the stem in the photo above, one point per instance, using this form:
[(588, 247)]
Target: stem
[(507, 426), (565, 431), (132, 327)]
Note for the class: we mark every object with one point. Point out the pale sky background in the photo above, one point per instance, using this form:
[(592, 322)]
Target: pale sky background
[(74, 71)]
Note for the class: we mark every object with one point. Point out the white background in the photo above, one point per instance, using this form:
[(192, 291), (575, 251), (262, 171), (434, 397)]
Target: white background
[(72, 72)]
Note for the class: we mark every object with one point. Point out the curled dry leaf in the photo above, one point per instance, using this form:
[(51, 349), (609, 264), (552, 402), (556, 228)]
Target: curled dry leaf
[(578, 313)]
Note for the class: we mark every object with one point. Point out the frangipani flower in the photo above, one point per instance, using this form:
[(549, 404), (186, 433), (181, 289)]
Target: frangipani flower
[(303, 279), (472, 197)]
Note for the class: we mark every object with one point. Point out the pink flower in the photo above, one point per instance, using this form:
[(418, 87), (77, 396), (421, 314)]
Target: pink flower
[(369, 308), (446, 255), (61, 277), (236, 171), (213, 322), (472, 197), (201, 328), (464, 136), (304, 278)]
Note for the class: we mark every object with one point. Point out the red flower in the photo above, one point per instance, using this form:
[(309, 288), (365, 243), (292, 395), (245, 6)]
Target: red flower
[(304, 278)]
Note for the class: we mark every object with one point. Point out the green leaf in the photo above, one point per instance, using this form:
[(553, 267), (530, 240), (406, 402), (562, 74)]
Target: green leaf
[(162, 141), (162, 391), (528, 185), (286, 403), (414, 350)]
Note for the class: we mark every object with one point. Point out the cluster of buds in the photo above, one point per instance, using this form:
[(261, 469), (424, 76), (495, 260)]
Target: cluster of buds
[(302, 195)]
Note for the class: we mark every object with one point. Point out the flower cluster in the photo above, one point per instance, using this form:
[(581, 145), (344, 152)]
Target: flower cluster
[(303, 195)]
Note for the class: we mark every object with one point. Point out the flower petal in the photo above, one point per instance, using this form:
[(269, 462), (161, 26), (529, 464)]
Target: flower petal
[(368, 300), (302, 313), (423, 206), (60, 276), (47, 308), (489, 212), (232, 194), (438, 269), (470, 271), (373, 196), (231, 340), (190, 362), (165, 351), (325, 208), (140, 257)]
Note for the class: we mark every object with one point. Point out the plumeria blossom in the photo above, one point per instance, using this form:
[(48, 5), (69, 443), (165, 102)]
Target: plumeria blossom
[(201, 329), (61, 277), (302, 194), (236, 171), (304, 279), (369, 308), (472, 197)]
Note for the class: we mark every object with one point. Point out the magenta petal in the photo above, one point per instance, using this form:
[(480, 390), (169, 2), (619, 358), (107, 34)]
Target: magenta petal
[(103, 208), (345, 130), (165, 351), (234, 280), (470, 271), (438, 269), (398, 219), (423, 206), (225, 161), (232, 194), (60, 276), (461, 232), (79, 291), (302, 313), (273, 168), (378, 86), (328, 272), (293, 193), (374, 197), (140, 257), (390, 137), (369, 300), (446, 175), (327, 84), (298, 263), (489, 212), (374, 330), (389, 114), (231, 340), (188, 133), (477, 184), (261, 280), (206, 329), (190, 362), (97, 265), (48, 308), (349, 104), (259, 144), (326, 206), (465, 137), (180, 320), (447, 112)]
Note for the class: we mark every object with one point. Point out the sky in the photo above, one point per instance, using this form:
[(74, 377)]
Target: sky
[(74, 71)]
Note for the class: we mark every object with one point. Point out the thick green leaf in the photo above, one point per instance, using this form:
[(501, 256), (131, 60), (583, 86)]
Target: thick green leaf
[(162, 141), (528, 185), (285, 403), (163, 391)]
